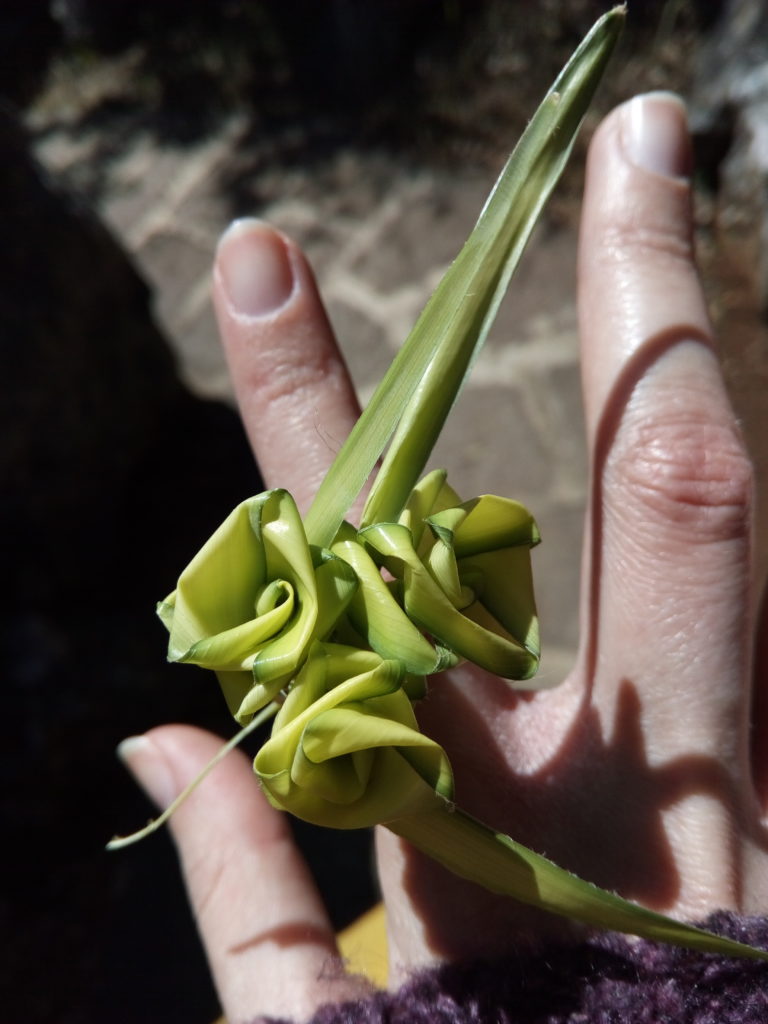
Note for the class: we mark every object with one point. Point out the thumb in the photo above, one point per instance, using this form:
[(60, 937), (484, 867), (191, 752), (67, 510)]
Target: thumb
[(269, 942)]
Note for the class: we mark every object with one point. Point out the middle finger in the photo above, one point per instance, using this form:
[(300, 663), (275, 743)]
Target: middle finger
[(295, 394)]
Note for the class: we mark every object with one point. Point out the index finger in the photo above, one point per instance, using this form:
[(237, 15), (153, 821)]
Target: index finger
[(292, 385)]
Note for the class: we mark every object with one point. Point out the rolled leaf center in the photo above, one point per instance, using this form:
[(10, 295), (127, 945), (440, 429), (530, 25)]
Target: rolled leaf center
[(272, 595)]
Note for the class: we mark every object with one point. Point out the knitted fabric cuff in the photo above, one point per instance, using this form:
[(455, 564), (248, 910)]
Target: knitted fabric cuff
[(609, 979)]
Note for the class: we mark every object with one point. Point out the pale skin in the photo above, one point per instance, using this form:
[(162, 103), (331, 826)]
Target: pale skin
[(644, 770)]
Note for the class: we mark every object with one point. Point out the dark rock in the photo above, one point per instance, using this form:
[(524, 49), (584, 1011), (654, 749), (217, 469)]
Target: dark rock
[(112, 476), (729, 117), (29, 36), (100, 440)]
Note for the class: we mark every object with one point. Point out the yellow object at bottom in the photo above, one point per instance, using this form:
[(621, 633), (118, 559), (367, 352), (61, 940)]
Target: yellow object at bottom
[(363, 946)]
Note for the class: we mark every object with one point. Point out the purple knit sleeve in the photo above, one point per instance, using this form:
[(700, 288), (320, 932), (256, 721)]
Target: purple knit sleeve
[(608, 979)]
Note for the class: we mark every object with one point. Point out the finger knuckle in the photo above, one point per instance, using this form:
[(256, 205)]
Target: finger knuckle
[(628, 241), (689, 474), (288, 378)]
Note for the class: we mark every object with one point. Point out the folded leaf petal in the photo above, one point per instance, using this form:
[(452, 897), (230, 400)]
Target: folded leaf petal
[(379, 619), (465, 574), (253, 599), (345, 749)]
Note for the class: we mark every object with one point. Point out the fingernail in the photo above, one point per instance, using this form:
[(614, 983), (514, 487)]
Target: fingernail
[(655, 134), (254, 268), (148, 766)]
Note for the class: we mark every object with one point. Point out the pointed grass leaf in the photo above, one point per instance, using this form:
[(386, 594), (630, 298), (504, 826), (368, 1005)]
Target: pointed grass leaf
[(416, 394), (472, 850)]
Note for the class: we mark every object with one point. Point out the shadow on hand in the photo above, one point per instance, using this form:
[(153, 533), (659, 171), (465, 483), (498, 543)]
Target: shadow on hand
[(596, 809), (596, 805)]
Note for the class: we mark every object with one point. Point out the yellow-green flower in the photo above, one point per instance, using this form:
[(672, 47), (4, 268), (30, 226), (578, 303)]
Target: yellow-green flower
[(345, 750), (464, 570), (252, 600)]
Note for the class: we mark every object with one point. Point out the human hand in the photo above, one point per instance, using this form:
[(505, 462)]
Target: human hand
[(636, 771)]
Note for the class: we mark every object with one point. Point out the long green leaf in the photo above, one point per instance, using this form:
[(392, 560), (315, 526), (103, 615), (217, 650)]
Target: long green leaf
[(425, 377), (493, 860)]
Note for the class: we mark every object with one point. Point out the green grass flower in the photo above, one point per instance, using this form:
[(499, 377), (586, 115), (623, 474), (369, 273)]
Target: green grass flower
[(346, 750), (465, 577), (253, 599)]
